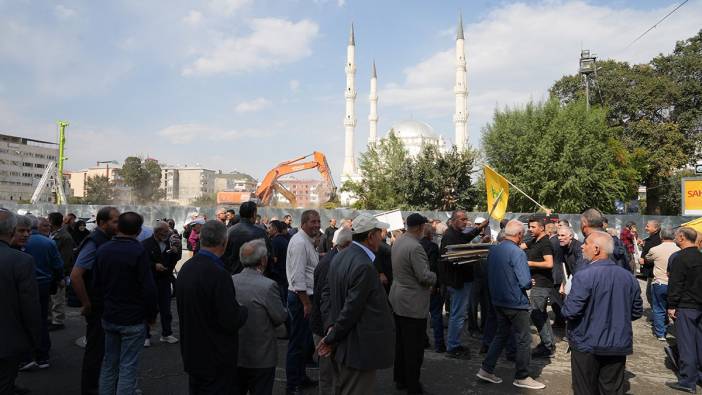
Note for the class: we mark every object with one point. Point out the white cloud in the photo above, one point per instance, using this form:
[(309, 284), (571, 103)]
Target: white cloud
[(263, 48), (188, 132), (64, 12), (294, 85), (517, 51), (254, 105), (193, 18), (227, 7)]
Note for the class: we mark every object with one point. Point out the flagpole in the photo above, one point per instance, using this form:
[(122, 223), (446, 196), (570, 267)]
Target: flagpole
[(517, 188)]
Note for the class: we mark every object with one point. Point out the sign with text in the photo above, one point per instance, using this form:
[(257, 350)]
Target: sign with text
[(691, 196), (393, 218)]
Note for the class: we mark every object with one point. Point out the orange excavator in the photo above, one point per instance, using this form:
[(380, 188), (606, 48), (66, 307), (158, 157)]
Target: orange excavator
[(271, 184)]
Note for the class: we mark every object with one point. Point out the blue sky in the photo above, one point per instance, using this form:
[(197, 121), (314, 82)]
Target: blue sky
[(245, 84)]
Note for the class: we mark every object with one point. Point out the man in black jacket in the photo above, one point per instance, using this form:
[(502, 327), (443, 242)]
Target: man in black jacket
[(653, 228), (163, 255), (209, 316), (458, 280), (685, 307), (20, 326), (245, 230)]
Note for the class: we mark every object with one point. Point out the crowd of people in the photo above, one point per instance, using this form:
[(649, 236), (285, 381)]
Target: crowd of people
[(350, 299)]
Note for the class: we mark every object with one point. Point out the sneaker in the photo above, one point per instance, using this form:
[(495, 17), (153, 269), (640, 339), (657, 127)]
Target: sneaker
[(529, 383), (677, 386), (170, 339), (81, 342), (147, 343), (24, 366), (43, 364), (543, 352), (458, 353), (489, 377), (662, 338)]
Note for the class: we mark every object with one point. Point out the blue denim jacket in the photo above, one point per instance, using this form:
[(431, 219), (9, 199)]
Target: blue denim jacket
[(603, 301)]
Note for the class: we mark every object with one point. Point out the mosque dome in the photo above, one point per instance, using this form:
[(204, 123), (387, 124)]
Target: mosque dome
[(412, 129), (415, 134)]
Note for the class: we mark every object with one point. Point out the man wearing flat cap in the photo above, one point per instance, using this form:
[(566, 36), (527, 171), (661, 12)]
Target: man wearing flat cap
[(409, 297), (359, 324)]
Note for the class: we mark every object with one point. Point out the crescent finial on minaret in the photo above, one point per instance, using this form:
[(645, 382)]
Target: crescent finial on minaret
[(459, 33)]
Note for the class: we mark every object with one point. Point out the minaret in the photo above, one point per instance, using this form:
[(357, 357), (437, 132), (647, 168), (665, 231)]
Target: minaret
[(460, 118), (349, 169), (373, 115)]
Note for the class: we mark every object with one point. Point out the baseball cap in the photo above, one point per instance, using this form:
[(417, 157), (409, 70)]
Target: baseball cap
[(416, 219), (364, 222)]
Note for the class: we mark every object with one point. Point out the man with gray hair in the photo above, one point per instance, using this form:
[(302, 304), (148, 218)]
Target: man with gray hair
[(604, 300), (20, 326), (660, 256), (653, 228), (209, 316), (23, 230), (509, 279), (257, 338)]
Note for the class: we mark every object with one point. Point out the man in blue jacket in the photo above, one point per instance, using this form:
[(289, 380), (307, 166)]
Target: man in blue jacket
[(509, 278), (601, 338)]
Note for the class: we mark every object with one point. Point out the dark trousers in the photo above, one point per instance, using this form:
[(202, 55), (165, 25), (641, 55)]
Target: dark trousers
[(436, 304), (520, 323), (221, 383), (597, 374), (409, 352), (556, 304), (41, 353), (299, 342), (94, 352), (163, 286), (491, 330), (689, 336), (8, 373), (256, 381)]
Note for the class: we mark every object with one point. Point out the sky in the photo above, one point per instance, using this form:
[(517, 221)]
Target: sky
[(245, 84)]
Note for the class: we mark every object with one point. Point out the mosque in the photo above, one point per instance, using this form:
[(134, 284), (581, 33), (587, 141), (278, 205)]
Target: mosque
[(413, 134)]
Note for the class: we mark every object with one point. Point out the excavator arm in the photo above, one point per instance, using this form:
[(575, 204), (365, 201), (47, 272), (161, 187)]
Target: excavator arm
[(270, 182)]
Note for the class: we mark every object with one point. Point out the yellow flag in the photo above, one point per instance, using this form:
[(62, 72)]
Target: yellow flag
[(497, 193), (695, 224)]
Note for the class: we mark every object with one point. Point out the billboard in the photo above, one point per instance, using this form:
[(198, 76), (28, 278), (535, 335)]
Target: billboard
[(691, 196)]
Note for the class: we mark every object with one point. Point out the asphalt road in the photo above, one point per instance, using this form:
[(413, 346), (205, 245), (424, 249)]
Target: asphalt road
[(161, 370)]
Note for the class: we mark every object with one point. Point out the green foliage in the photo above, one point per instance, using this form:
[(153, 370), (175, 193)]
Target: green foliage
[(144, 177), (562, 155), (431, 181), (670, 190), (98, 190), (656, 108)]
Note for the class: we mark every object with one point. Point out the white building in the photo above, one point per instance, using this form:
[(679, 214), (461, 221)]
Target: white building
[(77, 180), (22, 164), (183, 184), (415, 134)]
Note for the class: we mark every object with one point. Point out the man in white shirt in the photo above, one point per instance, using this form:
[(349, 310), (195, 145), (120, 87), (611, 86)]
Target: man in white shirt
[(301, 260), (660, 256)]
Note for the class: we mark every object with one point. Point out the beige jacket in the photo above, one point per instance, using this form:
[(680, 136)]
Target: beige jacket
[(660, 255), (412, 279)]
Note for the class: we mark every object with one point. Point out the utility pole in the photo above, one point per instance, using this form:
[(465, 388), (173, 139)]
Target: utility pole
[(587, 67)]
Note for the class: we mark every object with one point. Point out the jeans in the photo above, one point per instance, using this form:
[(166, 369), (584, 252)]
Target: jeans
[(539, 301), (518, 320), (460, 299), (436, 304), (120, 365), (659, 294), (42, 353), (299, 342)]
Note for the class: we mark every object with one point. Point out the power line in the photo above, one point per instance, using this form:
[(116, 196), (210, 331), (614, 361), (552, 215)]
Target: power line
[(656, 24)]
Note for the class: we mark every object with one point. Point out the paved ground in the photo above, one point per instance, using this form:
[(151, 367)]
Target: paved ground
[(161, 368)]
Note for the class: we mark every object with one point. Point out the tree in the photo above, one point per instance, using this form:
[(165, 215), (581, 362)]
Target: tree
[(144, 178), (670, 198), (380, 168), (98, 190), (432, 180), (565, 157), (657, 108)]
